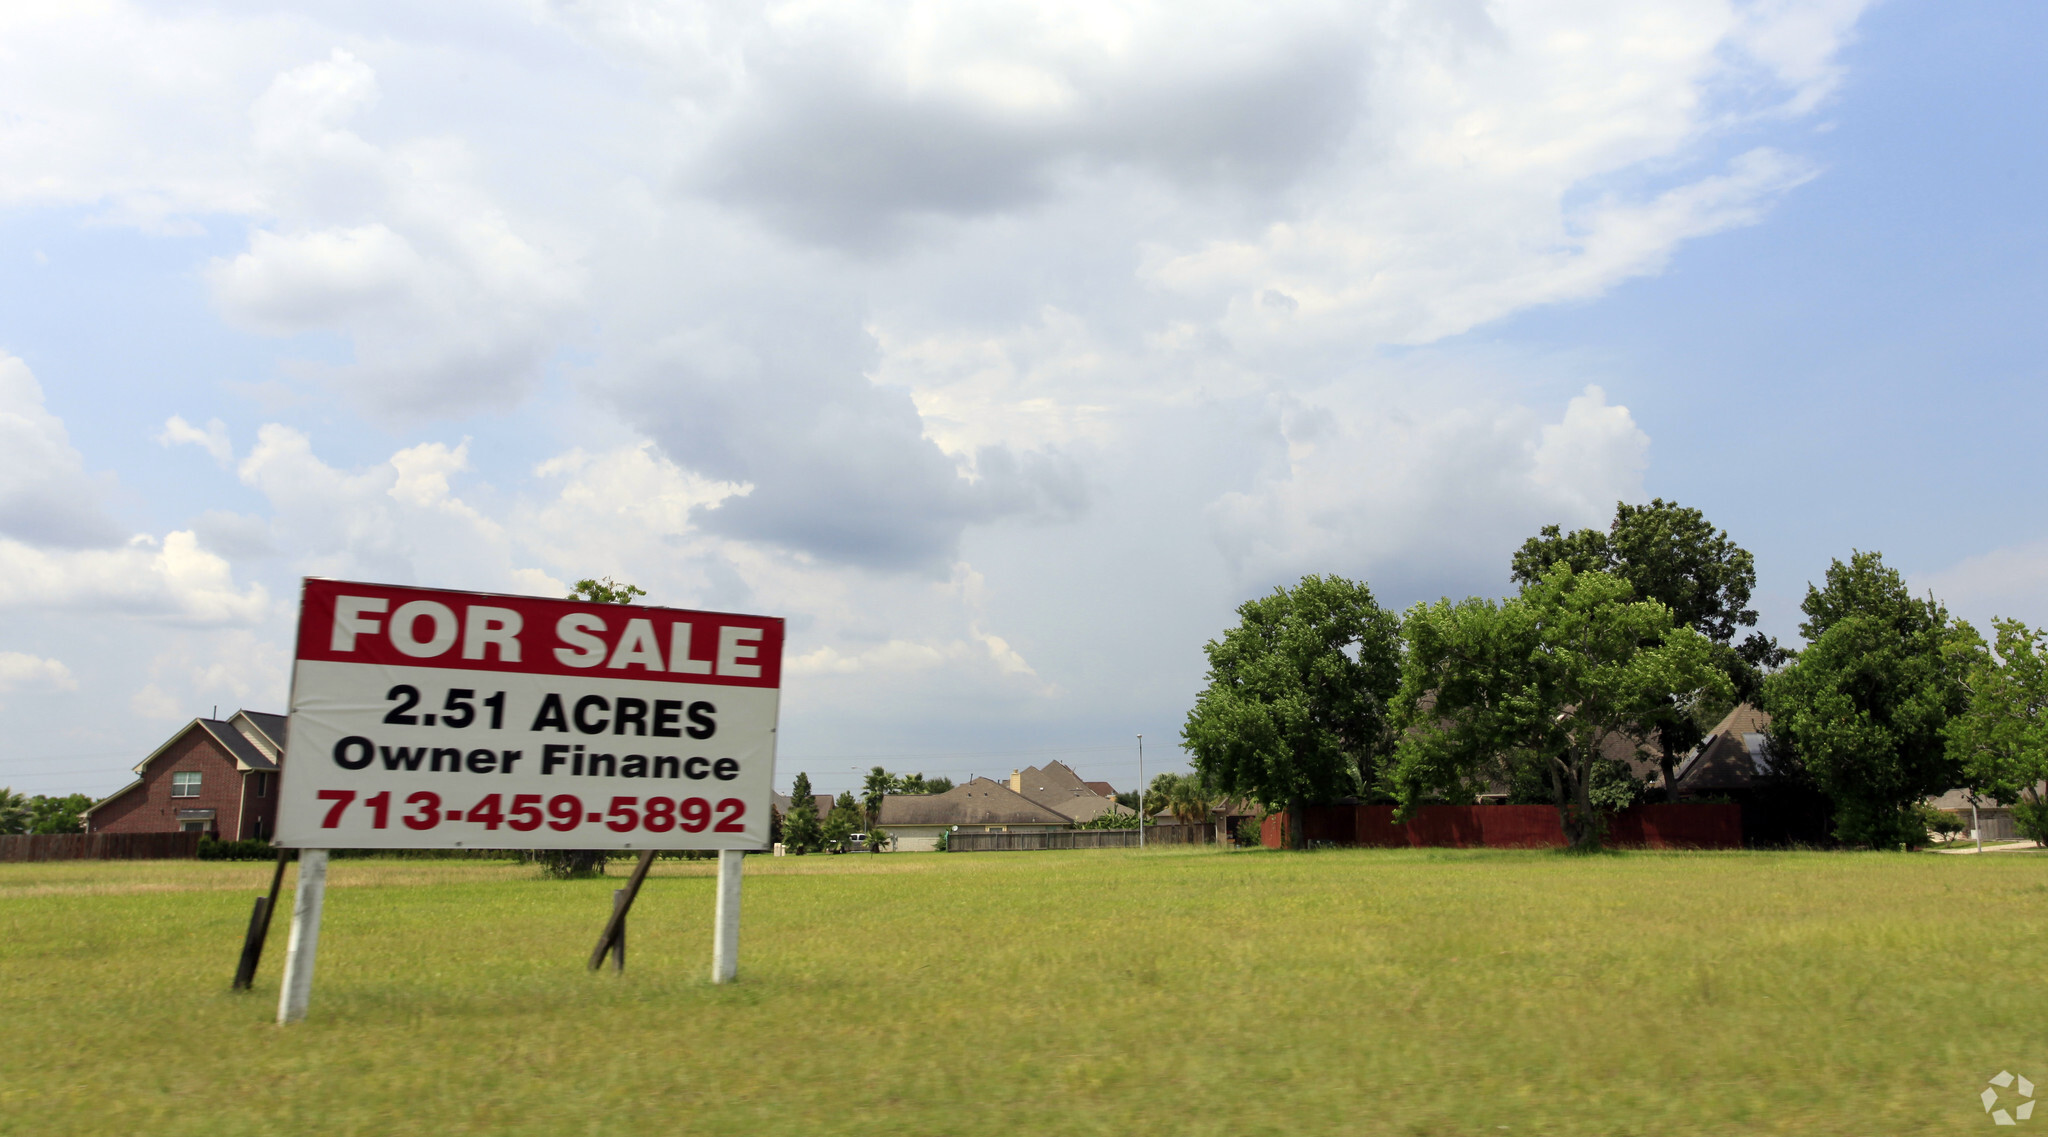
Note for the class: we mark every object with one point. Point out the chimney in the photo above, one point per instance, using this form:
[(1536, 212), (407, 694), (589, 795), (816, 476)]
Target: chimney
[(1016, 782)]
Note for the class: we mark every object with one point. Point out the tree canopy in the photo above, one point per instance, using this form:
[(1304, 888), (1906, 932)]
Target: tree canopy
[(605, 590), (1864, 709), (2000, 739), (1543, 680), (1673, 555), (1296, 705), (843, 822), (801, 832)]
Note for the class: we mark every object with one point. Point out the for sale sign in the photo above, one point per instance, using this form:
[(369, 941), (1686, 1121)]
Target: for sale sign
[(426, 719)]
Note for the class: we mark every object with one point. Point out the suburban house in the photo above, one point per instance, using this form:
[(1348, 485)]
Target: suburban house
[(1733, 764), (916, 821), (216, 776), (1058, 788), (1736, 756)]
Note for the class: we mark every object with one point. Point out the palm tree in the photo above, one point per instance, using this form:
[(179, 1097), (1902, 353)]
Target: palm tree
[(1189, 800), (878, 785)]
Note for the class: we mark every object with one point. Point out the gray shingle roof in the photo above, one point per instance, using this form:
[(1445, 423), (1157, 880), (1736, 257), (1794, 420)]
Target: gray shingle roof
[(1733, 757), (1058, 788), (234, 743), (979, 802)]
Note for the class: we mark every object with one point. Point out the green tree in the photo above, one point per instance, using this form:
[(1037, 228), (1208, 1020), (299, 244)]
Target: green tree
[(14, 812), (2001, 737), (844, 821), (1185, 796), (1296, 706), (1673, 555), (58, 814), (1541, 681), (878, 784), (605, 590), (1864, 709), (801, 832)]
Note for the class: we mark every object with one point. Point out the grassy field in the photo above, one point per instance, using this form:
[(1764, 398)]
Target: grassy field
[(1171, 992)]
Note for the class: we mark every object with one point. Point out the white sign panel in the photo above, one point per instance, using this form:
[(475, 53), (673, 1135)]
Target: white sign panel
[(428, 719)]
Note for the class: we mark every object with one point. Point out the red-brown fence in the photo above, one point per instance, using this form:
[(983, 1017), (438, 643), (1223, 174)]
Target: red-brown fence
[(1081, 839), (100, 847), (1509, 827)]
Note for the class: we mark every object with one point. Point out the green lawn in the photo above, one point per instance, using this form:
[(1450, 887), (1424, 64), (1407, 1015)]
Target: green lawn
[(1170, 992)]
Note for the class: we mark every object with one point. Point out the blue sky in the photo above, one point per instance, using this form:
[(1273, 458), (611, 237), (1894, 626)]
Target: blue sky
[(1003, 352)]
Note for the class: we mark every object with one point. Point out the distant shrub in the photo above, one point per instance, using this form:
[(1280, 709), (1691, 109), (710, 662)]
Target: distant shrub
[(1940, 822), (254, 849)]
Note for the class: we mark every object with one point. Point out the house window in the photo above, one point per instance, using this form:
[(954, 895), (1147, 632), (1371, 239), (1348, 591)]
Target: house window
[(185, 783), (262, 784)]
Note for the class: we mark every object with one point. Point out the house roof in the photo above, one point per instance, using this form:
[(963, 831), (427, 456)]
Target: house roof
[(979, 802), (783, 802), (272, 726), (244, 750), (1056, 787), (247, 755), (1103, 788), (1735, 756)]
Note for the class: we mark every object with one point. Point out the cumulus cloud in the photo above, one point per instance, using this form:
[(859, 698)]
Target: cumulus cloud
[(1434, 494), (46, 497), (19, 669), (2009, 582), (59, 549), (958, 334), (236, 667), (850, 121), (214, 439), (840, 466), (450, 307), (171, 578)]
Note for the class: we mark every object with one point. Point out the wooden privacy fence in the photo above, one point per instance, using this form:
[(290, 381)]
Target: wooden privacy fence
[(99, 847), (1080, 839), (1509, 827)]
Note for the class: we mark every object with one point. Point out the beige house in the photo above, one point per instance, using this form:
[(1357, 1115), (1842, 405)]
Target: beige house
[(915, 821)]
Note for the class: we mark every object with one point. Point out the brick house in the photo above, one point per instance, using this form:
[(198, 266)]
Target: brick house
[(216, 776)]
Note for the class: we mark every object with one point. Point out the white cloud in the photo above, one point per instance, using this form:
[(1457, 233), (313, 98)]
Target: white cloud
[(1095, 297), (59, 550), (46, 497), (450, 307), (1428, 490), (214, 439), (171, 578), (18, 669), (236, 667), (2010, 582)]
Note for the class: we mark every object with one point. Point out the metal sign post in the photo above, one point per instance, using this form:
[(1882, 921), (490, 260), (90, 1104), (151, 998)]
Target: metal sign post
[(297, 992), (725, 936), (431, 719)]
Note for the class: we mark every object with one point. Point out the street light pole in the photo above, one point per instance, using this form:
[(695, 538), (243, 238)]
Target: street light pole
[(1141, 791)]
